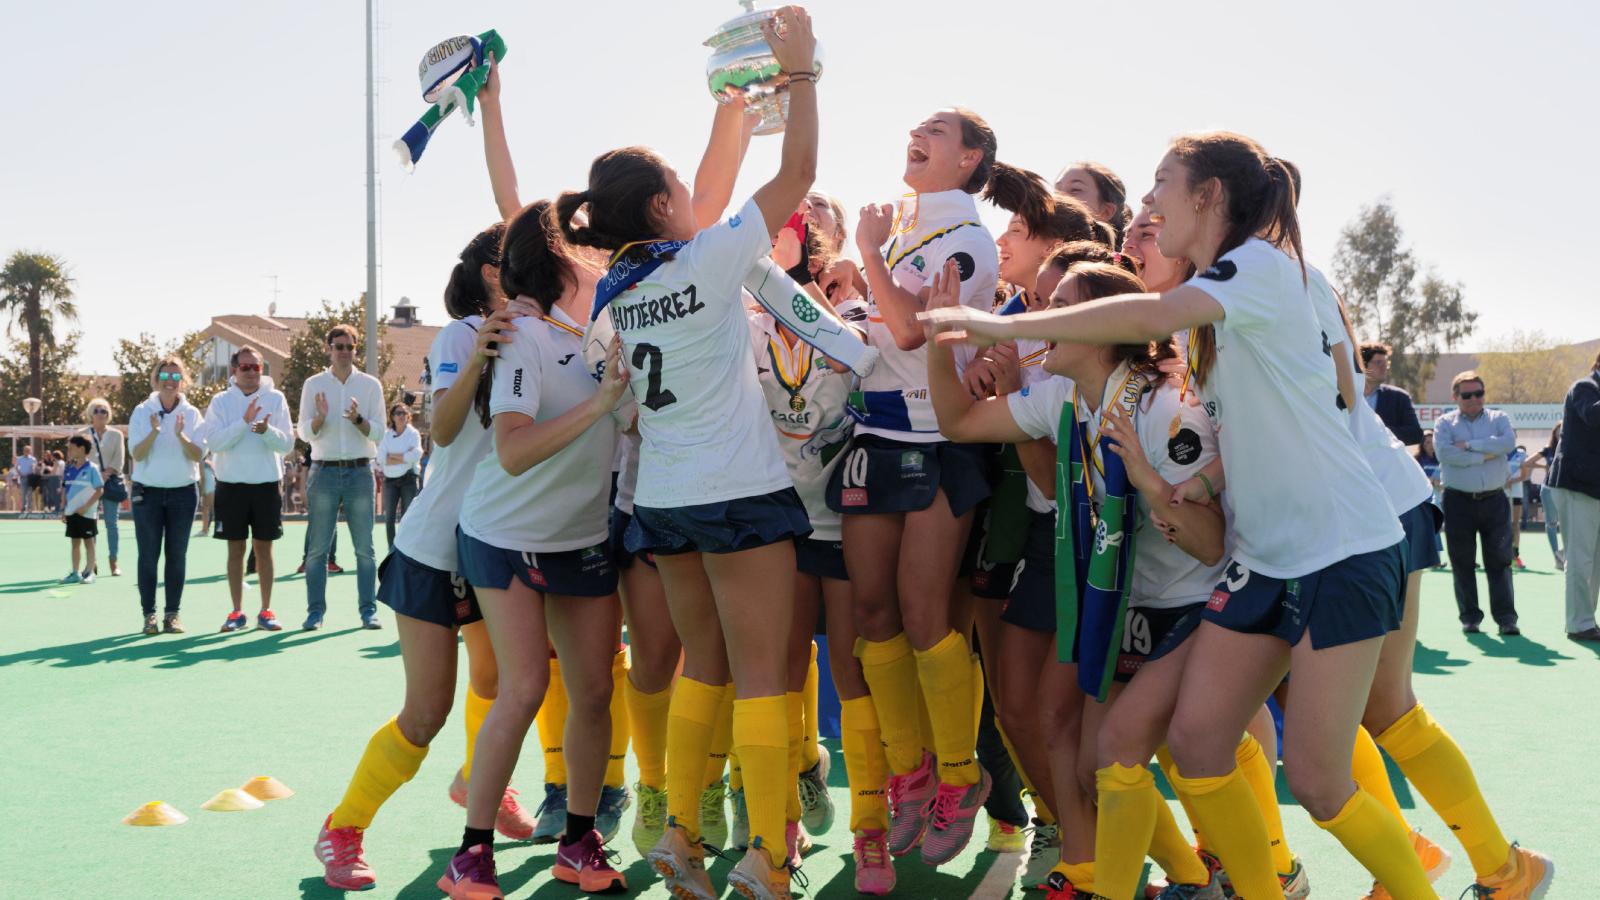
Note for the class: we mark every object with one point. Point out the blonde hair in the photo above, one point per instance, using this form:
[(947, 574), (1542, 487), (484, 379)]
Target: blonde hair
[(96, 403), (170, 362)]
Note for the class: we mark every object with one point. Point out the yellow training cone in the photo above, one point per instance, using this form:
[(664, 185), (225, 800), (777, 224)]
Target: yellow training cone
[(232, 800), (155, 813), (265, 787)]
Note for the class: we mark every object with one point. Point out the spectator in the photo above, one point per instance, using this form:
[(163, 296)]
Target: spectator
[(400, 450), (1551, 497), (1576, 472), (28, 476), (1392, 404), (302, 489), (82, 501), (1473, 443), (336, 409), (13, 488), (110, 456), (1517, 466), (247, 431), (55, 465), (163, 494)]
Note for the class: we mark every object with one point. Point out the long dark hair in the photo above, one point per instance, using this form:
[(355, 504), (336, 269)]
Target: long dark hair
[(977, 135), (466, 294), (1112, 191), (1046, 213), (1097, 281), (615, 207)]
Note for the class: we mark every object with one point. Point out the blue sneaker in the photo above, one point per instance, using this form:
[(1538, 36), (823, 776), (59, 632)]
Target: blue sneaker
[(614, 801), (313, 622), (72, 578), (371, 622), (552, 815)]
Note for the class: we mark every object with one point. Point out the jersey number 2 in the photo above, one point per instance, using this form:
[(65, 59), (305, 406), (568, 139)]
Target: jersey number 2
[(654, 397)]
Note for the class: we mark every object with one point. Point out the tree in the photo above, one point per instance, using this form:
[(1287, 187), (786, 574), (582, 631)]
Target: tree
[(62, 391), (1378, 276), (35, 291), (1530, 367), (137, 358), (308, 353)]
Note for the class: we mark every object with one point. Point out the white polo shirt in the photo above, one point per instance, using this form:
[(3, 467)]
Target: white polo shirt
[(239, 455), (338, 439), (166, 465)]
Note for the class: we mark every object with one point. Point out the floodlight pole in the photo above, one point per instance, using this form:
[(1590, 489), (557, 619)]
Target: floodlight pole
[(372, 210)]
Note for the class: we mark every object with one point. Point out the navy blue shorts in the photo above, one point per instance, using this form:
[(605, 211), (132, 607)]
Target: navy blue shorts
[(425, 593), (725, 527), (1354, 599), (620, 557), (1149, 634), (1422, 523), (1032, 604), (878, 475), (573, 573), (822, 559)]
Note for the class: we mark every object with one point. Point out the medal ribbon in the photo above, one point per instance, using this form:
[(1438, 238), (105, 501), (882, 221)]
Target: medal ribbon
[(792, 384)]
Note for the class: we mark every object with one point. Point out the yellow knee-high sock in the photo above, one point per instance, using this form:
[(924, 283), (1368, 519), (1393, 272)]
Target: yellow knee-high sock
[(1041, 804), (809, 755), (1252, 762), (1378, 842), (891, 673), (615, 774), (1079, 875), (1231, 818), (689, 724), (1169, 768), (476, 709), (978, 687), (551, 721), (721, 738), (1433, 762), (1171, 850), (945, 670), (865, 766), (760, 735), (1123, 828), (1368, 770), (647, 720), (389, 761), (924, 722), (795, 709)]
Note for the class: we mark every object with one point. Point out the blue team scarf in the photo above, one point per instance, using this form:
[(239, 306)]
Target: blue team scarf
[(628, 270), (1017, 303)]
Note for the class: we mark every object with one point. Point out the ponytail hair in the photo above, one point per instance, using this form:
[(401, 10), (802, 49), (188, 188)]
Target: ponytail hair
[(1259, 189), (535, 261), (1097, 281), (466, 294), (614, 210), (977, 135), (1046, 214)]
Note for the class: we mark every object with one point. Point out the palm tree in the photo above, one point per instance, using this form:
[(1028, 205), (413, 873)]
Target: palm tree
[(34, 290)]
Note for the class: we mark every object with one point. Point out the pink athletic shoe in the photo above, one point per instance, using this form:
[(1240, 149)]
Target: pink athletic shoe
[(910, 796), (470, 875), (874, 865), (511, 820), (344, 867), (584, 864), (951, 816)]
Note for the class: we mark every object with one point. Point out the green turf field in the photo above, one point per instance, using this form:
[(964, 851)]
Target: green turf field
[(99, 719)]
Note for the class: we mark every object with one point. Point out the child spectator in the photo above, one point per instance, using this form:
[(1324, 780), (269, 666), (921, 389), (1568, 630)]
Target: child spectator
[(81, 486)]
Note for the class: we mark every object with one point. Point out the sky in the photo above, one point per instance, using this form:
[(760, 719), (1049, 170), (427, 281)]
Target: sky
[(180, 154)]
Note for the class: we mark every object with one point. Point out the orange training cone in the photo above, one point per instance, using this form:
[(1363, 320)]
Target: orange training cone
[(155, 812), (232, 800), (265, 787)]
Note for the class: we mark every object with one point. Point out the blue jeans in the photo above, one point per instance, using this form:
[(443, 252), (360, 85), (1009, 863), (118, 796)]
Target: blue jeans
[(109, 509), (162, 515), (330, 488)]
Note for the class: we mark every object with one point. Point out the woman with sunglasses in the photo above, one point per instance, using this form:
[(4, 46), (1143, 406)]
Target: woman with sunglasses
[(110, 454), (399, 451), (166, 459)]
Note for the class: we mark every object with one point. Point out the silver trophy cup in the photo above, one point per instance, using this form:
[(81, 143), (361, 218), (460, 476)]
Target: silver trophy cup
[(742, 64)]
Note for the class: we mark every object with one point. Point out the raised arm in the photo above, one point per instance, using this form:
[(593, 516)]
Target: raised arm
[(719, 167), (796, 53), (961, 418), (899, 307), (496, 152)]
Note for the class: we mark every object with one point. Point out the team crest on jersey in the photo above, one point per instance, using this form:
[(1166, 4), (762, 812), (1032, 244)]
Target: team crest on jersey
[(1184, 447), (918, 263), (1221, 270), (965, 264), (805, 309)]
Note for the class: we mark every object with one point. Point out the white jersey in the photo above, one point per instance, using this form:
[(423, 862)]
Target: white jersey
[(1178, 441), (626, 465), (559, 504), (427, 534), (806, 399), (686, 343), (1300, 497), (939, 227)]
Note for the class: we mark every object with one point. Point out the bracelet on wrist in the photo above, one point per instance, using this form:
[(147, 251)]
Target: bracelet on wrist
[(802, 76), (1211, 492)]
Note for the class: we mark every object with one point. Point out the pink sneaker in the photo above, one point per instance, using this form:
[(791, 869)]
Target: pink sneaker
[(470, 875), (511, 820), (951, 815), (344, 867), (874, 865), (910, 796), (584, 864)]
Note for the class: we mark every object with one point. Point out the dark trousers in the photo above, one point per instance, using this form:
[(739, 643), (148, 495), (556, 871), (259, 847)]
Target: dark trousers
[(1466, 519), (1005, 797), (397, 496), (162, 516)]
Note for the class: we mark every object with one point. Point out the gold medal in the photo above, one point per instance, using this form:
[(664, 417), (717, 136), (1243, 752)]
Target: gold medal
[(797, 403)]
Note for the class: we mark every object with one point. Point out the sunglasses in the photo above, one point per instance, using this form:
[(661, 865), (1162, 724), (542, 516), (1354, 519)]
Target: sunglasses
[(170, 376), (250, 367), (1471, 395), (102, 412), (343, 348)]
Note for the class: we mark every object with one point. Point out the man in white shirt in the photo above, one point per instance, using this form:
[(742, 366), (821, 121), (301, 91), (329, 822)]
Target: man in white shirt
[(341, 411), (28, 477), (247, 431)]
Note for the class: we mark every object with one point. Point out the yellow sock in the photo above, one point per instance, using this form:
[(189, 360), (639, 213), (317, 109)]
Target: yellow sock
[(389, 761), (865, 766), (1433, 762), (891, 673), (1172, 851), (1041, 805), (924, 722), (760, 734), (735, 772), (721, 738), (647, 720), (1079, 875), (945, 671), (615, 774), (1369, 772), (795, 710), (1252, 762), (1231, 817), (809, 755), (689, 725), (476, 709), (1123, 828), (1378, 842), (551, 721), (1169, 768)]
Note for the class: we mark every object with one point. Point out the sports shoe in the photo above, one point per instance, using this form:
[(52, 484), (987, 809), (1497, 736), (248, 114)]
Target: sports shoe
[(552, 814), (1435, 862), (650, 818), (150, 626), (1296, 884), (334, 568), (816, 807), (950, 818), (116, 570), (614, 801), (1057, 887), (797, 844), (312, 622), (470, 875), (1005, 837), (172, 625), (910, 796), (1044, 851), (1211, 890), (1519, 565), (511, 820), (681, 864), (756, 878), (236, 621), (715, 829), (371, 622), (1525, 876), (585, 863), (302, 569), (874, 865), (266, 621), (344, 867), (72, 578), (1213, 864), (86, 577)]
